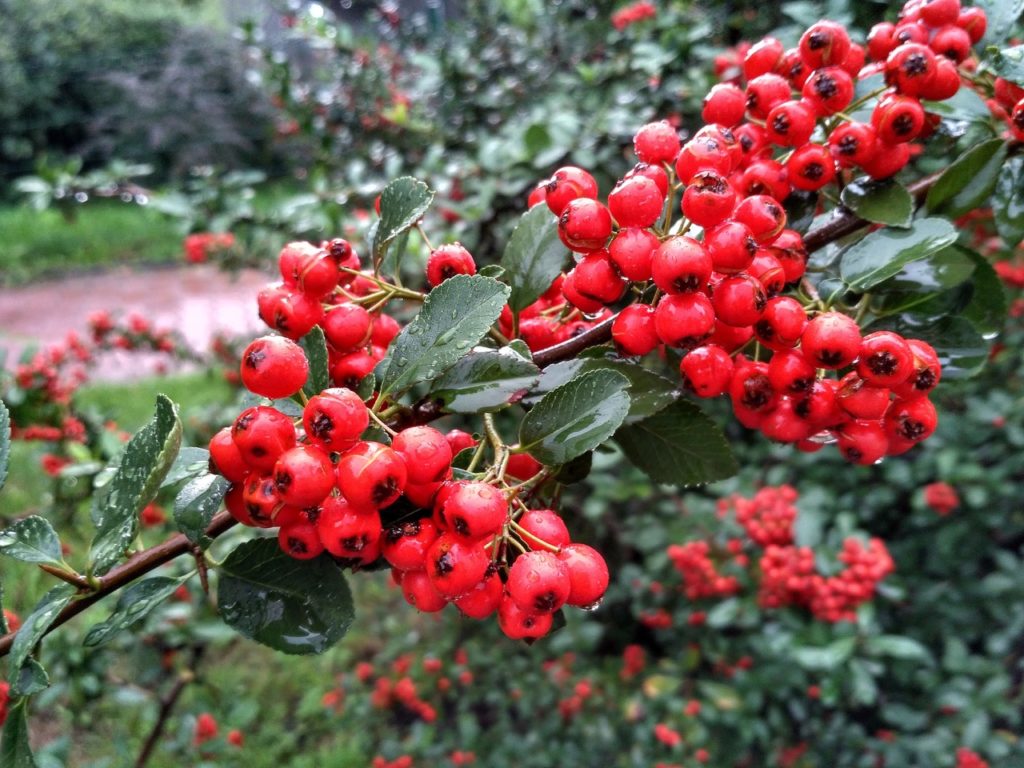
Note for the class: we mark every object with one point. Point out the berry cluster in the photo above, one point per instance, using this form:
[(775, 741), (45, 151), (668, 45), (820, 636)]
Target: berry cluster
[(201, 245), (787, 575), (967, 758), (709, 285)]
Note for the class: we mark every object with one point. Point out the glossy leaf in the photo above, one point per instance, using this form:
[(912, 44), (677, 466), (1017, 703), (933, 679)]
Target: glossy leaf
[(294, 606), (15, 750), (575, 417), (145, 462), (5, 442), (533, 257), (32, 540), (402, 203), (648, 392), (882, 254), (34, 626), (1009, 64), (898, 647), (679, 445), (987, 307), (883, 202), (31, 679), (1002, 15), (454, 317), (485, 380), (968, 182), (1008, 201), (133, 605), (195, 505), (191, 461), (821, 659), (314, 344)]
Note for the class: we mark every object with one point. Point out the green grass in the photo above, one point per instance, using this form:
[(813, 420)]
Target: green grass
[(38, 244)]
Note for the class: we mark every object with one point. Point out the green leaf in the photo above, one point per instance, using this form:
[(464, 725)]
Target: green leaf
[(195, 505), (1002, 16), (898, 647), (294, 606), (826, 657), (1008, 201), (883, 202), (941, 271), (576, 417), (533, 257), (32, 540), (485, 380), (145, 462), (961, 348), (133, 605), (191, 461), (15, 750), (987, 308), (454, 317), (31, 679), (5, 442), (35, 625), (1009, 64), (402, 203), (882, 254), (862, 683), (314, 344), (679, 445), (969, 181), (648, 391)]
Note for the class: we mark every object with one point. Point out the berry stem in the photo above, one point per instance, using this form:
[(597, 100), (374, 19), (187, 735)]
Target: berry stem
[(381, 423), (530, 538)]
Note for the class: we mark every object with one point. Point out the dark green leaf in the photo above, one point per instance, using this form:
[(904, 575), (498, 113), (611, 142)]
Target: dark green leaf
[(576, 417), (31, 679), (402, 203), (987, 307), (534, 256), (1009, 64), (883, 253), (32, 540), (862, 683), (968, 182), (883, 202), (5, 442), (35, 625), (295, 606), (454, 317), (898, 647), (195, 505), (133, 605), (941, 271), (485, 380), (961, 348), (315, 346), (1002, 16), (190, 462), (145, 462), (679, 445), (824, 658), (648, 391), (576, 470), (1008, 201), (15, 750)]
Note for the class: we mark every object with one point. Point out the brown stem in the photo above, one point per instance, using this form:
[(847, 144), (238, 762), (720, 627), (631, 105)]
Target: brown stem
[(69, 576), (166, 706), (137, 565)]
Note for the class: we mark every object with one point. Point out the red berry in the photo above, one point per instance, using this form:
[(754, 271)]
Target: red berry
[(348, 370), (725, 104), (936, 13), (781, 323), (945, 83), (861, 400), (790, 373), (447, 261), (573, 295), (764, 92), (523, 466), (335, 418), (769, 272), (262, 434), (975, 22), (732, 247), (385, 328), (681, 265), (824, 43), (304, 476), (909, 68), (708, 370), (882, 40), (568, 184), (344, 256), (862, 442), (763, 216), (546, 525), (456, 565), (405, 545), (751, 389), (656, 143), (739, 300), (633, 330), (790, 124), (709, 199), (911, 420), (261, 500), (927, 371), (829, 90), (897, 119), (483, 600), (588, 574), (475, 510), (852, 144), (310, 269), (538, 582), (703, 152), (426, 452), (831, 340), (225, 458), (273, 366), (810, 167), (763, 57), (885, 359), (519, 624), (596, 278), (349, 532), (888, 159), (371, 476), (636, 202), (684, 319), (584, 225), (300, 540), (347, 327), (420, 593)]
